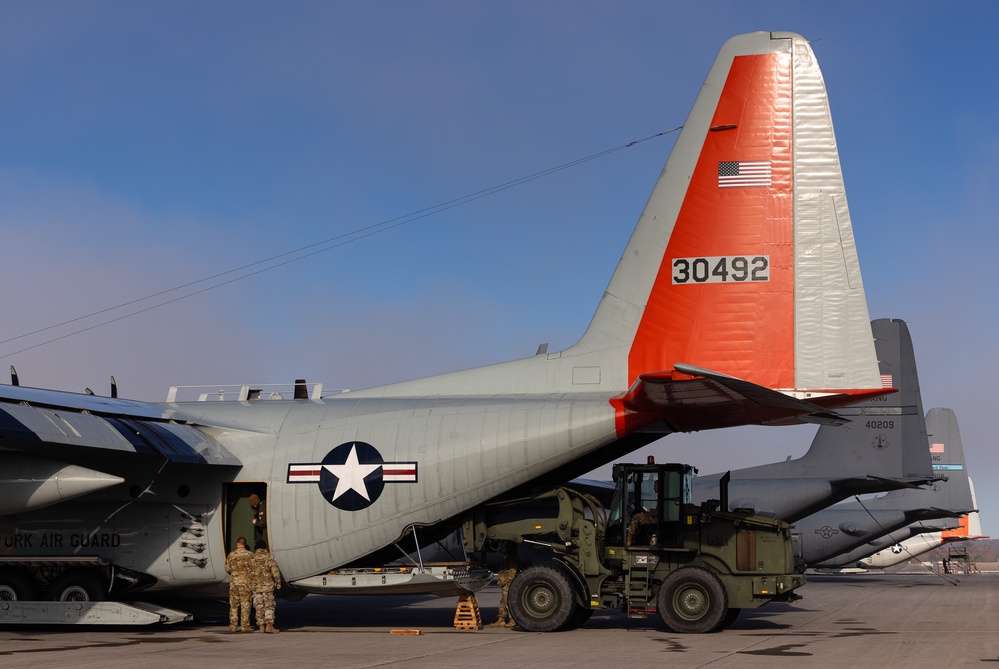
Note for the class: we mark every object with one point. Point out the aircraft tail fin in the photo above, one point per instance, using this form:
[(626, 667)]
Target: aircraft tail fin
[(742, 265), (970, 527), (973, 521), (950, 497), (883, 444), (886, 437), (947, 453), (745, 252)]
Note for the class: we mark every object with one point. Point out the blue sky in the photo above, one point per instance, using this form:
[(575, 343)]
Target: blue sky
[(147, 146)]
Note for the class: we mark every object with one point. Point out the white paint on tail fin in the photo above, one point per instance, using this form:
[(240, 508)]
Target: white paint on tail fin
[(754, 277)]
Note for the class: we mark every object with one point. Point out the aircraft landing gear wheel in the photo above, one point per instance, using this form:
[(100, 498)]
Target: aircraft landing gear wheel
[(15, 585), (542, 599), (692, 601), (77, 585)]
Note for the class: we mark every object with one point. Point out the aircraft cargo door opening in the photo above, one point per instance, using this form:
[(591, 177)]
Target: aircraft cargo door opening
[(240, 513)]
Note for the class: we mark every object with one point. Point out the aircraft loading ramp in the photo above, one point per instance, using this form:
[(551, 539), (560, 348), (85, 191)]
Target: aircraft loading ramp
[(88, 613)]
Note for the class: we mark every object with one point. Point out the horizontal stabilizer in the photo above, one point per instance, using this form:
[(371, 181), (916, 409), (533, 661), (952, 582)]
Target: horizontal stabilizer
[(699, 399), (861, 485)]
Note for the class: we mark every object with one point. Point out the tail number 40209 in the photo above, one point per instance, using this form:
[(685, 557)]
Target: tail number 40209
[(721, 269)]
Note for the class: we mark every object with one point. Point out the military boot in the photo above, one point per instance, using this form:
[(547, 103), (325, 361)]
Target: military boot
[(263, 628), (272, 630)]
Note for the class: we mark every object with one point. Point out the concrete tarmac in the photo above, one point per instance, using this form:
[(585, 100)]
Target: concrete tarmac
[(862, 620)]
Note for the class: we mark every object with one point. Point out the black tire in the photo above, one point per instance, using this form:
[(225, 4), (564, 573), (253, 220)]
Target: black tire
[(692, 600), (542, 599), (730, 617), (580, 616), (16, 585), (78, 585)]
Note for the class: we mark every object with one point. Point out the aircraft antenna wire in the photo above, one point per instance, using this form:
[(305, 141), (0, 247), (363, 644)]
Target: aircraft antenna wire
[(307, 251), (952, 581)]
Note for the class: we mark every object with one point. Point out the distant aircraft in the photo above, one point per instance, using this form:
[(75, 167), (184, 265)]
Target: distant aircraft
[(738, 300), (883, 448), (830, 537), (968, 528)]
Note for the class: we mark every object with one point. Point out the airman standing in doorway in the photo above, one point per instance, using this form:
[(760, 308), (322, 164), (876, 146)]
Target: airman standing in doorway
[(259, 518)]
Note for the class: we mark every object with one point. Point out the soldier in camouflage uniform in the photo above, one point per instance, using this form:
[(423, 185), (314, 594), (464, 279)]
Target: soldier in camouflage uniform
[(265, 579), (641, 530), (237, 565), (508, 570)]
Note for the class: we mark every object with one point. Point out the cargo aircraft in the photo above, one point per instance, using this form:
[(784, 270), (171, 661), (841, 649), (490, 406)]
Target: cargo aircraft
[(882, 448), (842, 534), (738, 300), (920, 541)]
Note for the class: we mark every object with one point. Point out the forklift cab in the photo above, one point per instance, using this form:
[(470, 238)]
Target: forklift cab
[(645, 510)]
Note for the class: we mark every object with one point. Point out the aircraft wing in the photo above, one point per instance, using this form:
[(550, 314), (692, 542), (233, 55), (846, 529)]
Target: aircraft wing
[(691, 398), (54, 424)]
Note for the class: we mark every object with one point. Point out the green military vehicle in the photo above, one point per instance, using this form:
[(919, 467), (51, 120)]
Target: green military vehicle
[(651, 550)]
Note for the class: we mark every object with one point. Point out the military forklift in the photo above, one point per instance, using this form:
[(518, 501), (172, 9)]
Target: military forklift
[(652, 550)]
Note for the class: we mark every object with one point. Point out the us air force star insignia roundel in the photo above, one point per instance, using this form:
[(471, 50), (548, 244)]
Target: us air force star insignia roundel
[(353, 475), (896, 548), (826, 532)]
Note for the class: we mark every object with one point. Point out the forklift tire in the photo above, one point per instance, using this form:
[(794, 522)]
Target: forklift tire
[(579, 616), (692, 600), (542, 599), (730, 617)]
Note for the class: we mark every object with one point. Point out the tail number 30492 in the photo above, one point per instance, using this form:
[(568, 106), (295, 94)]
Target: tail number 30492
[(721, 269)]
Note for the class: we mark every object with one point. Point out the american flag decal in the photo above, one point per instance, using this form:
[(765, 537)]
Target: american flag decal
[(744, 173), (936, 448), (886, 381)]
